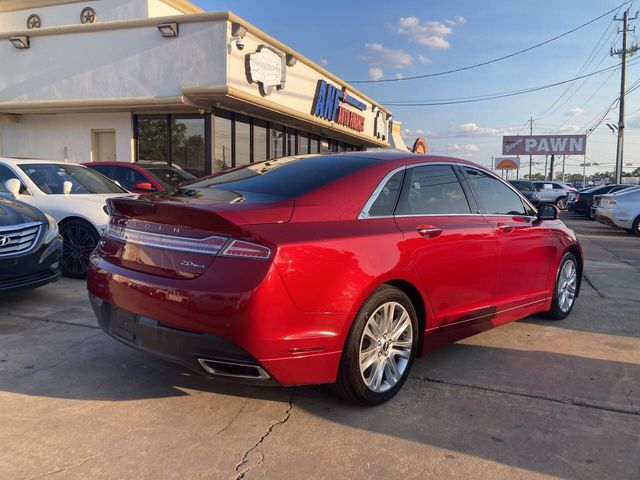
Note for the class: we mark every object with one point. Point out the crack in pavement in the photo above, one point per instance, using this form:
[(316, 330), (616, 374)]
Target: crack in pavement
[(62, 322), (240, 472), (71, 467), (588, 280), (574, 403)]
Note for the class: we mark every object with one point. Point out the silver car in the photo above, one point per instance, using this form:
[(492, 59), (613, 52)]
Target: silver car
[(554, 192)]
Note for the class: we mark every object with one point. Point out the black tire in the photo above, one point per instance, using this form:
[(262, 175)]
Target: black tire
[(635, 228), (79, 240), (561, 203), (350, 383), (557, 312)]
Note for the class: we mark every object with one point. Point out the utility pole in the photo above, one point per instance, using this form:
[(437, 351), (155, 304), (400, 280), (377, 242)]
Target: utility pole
[(546, 161), (553, 158), (564, 158), (622, 53), (530, 157)]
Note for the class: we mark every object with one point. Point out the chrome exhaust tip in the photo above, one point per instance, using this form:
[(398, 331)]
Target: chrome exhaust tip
[(224, 368)]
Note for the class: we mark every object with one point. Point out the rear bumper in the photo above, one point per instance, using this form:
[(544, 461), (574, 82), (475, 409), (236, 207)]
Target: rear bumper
[(31, 270), (189, 349), (225, 314)]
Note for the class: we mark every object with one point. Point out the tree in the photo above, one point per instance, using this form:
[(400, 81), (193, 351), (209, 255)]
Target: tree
[(535, 176)]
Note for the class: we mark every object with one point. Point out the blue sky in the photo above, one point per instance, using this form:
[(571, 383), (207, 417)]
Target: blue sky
[(359, 40)]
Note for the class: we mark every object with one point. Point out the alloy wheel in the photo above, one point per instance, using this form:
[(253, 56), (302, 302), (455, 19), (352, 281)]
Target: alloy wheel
[(385, 347), (78, 243), (567, 281)]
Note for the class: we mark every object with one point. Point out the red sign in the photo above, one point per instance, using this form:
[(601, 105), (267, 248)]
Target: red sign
[(350, 119)]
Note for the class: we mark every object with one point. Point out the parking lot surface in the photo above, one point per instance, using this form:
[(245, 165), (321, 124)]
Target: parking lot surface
[(532, 399)]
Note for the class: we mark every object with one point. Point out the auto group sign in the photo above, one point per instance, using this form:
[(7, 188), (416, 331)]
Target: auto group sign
[(544, 145)]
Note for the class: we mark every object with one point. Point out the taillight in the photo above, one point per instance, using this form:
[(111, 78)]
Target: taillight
[(206, 246), (241, 249)]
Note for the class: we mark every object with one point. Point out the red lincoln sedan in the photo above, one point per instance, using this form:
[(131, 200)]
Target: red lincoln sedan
[(328, 269)]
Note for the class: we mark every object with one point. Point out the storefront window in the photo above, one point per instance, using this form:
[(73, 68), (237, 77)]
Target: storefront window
[(314, 144), (243, 140), (291, 141), (276, 141), (153, 138), (303, 143), (187, 144), (259, 140), (223, 155)]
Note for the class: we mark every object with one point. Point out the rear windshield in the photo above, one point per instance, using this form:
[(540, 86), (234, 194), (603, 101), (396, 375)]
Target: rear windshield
[(169, 176), (287, 177)]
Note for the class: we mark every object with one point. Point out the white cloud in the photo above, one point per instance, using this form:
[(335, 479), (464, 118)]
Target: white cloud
[(458, 149), (410, 134), (568, 129), (575, 112), (424, 60), (381, 56), (429, 33), (324, 62), (398, 75), (471, 129), (375, 73)]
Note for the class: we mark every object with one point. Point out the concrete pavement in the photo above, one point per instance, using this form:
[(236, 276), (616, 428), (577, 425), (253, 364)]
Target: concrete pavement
[(532, 399)]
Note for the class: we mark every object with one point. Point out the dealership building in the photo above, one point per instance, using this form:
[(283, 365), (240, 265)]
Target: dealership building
[(163, 80)]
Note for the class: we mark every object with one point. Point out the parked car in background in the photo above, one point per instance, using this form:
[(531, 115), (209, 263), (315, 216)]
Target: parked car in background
[(328, 269), (73, 195), (30, 246), (528, 189), (571, 197), (621, 209), (584, 199), (554, 192), (143, 176), (596, 198)]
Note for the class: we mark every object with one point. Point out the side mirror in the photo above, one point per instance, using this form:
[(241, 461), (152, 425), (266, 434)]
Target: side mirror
[(144, 186), (548, 211), (13, 186), (66, 187)]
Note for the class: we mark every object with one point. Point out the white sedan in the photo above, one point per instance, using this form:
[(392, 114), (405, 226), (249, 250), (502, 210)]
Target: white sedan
[(621, 209), (74, 195)]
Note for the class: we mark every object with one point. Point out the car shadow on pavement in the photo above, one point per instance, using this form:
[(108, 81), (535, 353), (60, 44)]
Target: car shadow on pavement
[(510, 406)]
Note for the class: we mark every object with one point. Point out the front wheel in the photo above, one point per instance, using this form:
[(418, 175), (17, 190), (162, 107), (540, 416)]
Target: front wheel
[(566, 287), (635, 229), (79, 240), (380, 348)]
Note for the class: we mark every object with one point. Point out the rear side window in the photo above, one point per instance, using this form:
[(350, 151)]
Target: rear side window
[(432, 190), (386, 199), (493, 196), (287, 177), (127, 177)]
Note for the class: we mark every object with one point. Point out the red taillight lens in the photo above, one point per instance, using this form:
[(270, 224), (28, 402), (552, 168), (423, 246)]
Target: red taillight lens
[(240, 249)]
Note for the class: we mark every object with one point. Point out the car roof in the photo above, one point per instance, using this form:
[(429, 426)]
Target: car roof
[(24, 161)]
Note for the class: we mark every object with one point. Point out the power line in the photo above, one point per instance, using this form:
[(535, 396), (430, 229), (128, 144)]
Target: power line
[(481, 98), (504, 57)]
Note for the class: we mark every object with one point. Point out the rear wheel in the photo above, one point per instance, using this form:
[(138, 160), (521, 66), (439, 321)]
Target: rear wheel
[(565, 289), (561, 203), (379, 349), (79, 240)]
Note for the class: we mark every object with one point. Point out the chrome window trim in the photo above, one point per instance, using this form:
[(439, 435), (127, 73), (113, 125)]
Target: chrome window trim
[(364, 213)]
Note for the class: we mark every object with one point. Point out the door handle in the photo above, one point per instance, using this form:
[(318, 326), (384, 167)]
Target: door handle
[(505, 227), (428, 231)]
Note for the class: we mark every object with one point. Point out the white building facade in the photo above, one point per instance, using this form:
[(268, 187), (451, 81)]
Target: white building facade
[(162, 80)]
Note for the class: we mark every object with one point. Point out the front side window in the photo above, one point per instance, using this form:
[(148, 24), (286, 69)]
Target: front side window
[(127, 177), (493, 196), (432, 190), (50, 178)]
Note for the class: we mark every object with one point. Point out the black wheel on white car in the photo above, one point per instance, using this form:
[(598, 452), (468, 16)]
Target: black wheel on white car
[(566, 287), (79, 239), (561, 203), (380, 348)]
